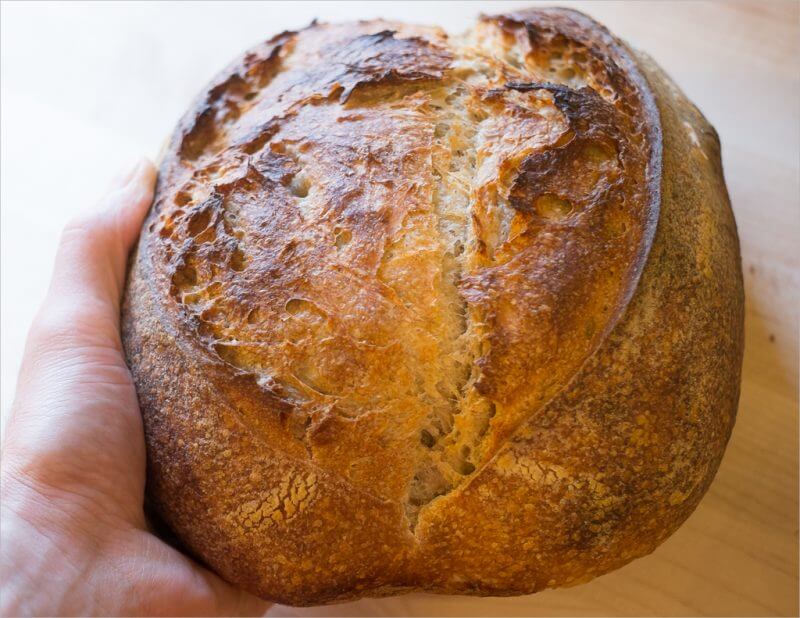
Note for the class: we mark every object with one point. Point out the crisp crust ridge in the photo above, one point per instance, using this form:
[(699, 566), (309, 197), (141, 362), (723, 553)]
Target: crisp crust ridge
[(386, 319)]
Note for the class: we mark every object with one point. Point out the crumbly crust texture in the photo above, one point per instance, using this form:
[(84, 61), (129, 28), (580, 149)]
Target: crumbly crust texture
[(422, 312)]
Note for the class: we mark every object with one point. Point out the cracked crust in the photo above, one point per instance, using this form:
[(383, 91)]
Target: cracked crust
[(458, 314)]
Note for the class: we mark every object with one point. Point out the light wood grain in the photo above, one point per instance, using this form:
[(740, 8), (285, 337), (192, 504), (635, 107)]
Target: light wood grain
[(87, 86)]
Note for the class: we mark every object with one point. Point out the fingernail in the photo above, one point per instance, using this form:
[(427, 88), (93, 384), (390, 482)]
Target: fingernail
[(134, 172), (123, 183), (124, 177)]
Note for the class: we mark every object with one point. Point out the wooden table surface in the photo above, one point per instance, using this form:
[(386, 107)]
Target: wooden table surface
[(86, 87)]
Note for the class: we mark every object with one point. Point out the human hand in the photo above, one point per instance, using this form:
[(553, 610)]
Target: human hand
[(74, 535)]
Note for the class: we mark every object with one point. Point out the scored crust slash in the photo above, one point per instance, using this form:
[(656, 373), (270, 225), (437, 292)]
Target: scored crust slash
[(414, 311)]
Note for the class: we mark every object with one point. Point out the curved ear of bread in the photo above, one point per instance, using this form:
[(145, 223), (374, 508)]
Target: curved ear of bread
[(259, 457)]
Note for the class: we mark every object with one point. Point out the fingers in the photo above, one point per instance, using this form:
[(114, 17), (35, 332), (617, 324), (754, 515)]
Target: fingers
[(74, 390)]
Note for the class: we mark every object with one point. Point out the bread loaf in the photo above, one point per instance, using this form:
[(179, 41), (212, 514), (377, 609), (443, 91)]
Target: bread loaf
[(414, 311)]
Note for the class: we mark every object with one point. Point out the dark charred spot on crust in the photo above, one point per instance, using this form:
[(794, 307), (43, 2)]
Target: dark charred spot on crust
[(233, 87), (260, 71), (578, 172), (256, 141), (552, 31), (382, 58), (225, 101), (202, 133)]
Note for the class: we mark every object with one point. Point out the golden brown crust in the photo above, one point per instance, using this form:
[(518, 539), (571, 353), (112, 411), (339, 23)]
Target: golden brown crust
[(393, 322)]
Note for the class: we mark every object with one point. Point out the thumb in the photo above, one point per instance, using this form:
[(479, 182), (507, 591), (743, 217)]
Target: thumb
[(92, 255), (81, 310), (73, 372), (82, 303)]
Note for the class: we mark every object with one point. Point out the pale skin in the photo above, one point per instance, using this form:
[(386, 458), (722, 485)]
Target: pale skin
[(74, 536)]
